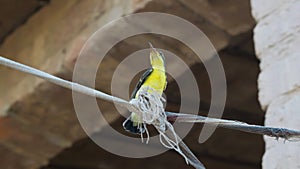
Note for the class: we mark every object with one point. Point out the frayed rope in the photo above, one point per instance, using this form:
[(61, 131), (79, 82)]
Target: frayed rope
[(150, 104)]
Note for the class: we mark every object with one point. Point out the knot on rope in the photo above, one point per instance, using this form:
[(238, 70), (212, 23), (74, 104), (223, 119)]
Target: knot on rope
[(150, 105)]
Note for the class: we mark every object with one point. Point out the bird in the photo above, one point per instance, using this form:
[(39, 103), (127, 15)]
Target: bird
[(154, 77)]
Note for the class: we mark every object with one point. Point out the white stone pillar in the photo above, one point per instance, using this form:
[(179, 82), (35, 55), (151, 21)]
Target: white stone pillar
[(277, 45)]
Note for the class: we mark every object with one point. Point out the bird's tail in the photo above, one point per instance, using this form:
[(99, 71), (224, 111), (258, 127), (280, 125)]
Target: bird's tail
[(133, 127)]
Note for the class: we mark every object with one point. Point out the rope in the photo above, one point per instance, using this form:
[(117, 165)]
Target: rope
[(152, 112), (64, 83), (286, 134)]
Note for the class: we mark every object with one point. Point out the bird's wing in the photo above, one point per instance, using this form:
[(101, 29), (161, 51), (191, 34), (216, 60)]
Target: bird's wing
[(141, 81)]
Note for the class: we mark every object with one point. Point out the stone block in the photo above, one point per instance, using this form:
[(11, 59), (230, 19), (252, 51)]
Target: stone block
[(276, 32), (278, 78), (261, 9), (283, 112)]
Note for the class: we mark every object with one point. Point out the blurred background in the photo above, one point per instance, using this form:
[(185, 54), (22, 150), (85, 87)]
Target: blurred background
[(38, 125)]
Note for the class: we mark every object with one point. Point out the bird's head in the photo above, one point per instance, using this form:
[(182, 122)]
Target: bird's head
[(157, 59)]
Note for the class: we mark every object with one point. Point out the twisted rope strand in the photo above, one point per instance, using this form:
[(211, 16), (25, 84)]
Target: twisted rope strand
[(170, 116)]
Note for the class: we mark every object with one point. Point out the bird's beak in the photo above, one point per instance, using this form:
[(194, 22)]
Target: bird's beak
[(152, 49), (153, 52)]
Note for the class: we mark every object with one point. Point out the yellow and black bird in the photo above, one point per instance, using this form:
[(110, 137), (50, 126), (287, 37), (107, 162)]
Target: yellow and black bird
[(154, 77)]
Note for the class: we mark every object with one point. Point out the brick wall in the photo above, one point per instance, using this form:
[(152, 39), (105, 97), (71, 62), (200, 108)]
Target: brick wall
[(276, 38)]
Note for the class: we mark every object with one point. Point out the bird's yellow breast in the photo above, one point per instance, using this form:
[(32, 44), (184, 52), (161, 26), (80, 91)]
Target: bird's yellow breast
[(156, 80)]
